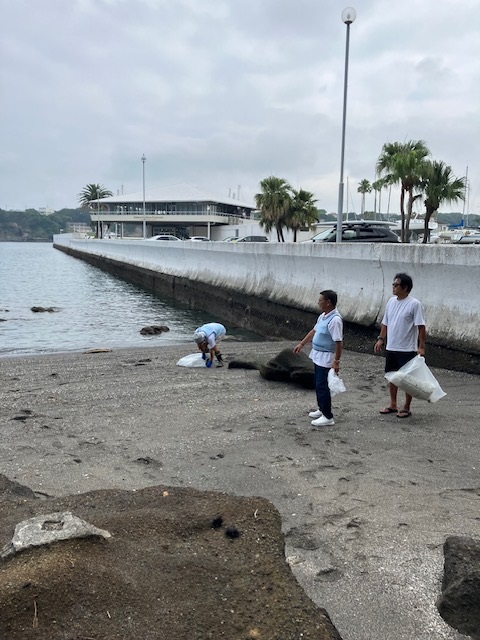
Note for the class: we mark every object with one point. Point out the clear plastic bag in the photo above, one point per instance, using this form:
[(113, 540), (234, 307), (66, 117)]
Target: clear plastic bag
[(416, 379), (335, 384), (192, 360)]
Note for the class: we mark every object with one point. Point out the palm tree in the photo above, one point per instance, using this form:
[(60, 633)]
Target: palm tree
[(302, 211), (402, 162), (364, 187), (439, 186), (377, 187), (89, 194), (273, 203), (92, 192)]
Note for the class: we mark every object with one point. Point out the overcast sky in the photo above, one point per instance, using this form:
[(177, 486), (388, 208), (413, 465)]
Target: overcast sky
[(222, 93)]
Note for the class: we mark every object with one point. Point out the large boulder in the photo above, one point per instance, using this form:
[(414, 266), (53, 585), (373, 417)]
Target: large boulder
[(284, 367), (44, 309), (290, 367), (180, 564), (154, 329), (459, 603)]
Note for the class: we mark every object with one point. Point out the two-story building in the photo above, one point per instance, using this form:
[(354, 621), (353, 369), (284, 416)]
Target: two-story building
[(181, 210)]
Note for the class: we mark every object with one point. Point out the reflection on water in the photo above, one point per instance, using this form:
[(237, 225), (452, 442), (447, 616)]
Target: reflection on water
[(95, 309)]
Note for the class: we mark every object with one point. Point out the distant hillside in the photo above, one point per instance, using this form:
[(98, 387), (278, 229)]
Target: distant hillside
[(31, 226)]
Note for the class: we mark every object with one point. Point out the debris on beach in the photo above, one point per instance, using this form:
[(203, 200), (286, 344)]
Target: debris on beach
[(49, 528)]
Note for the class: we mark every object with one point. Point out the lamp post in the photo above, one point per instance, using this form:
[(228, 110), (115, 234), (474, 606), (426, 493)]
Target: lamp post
[(348, 16), (99, 228), (143, 175)]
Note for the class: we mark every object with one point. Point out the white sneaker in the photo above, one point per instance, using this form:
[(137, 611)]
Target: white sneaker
[(323, 422), (315, 414)]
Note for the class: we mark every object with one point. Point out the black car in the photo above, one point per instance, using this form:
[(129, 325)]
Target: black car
[(357, 232)]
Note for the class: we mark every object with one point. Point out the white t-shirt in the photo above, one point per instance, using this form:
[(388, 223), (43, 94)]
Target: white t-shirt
[(335, 327), (402, 319)]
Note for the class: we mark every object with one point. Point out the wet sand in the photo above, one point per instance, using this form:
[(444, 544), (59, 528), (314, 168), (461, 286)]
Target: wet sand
[(366, 504)]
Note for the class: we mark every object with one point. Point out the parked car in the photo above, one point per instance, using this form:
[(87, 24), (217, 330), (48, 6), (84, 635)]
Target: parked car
[(357, 232), (199, 239), (251, 239), (165, 237), (230, 239)]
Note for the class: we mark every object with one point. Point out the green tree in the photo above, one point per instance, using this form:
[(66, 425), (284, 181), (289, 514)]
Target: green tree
[(402, 163), (30, 225), (92, 192), (89, 194), (364, 187), (439, 186), (273, 203), (302, 211), (377, 187)]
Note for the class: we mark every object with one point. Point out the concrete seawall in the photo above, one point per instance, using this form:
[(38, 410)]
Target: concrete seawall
[(278, 283)]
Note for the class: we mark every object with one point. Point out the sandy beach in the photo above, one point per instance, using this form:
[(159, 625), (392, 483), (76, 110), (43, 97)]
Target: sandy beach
[(366, 505)]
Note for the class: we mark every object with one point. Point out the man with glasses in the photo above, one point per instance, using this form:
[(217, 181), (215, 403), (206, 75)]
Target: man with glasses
[(403, 335)]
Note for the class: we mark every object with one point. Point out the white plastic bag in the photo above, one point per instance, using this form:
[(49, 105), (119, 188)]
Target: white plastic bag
[(192, 360), (416, 379), (335, 384)]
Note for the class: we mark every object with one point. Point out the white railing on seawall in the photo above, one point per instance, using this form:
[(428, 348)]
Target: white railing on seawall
[(445, 277)]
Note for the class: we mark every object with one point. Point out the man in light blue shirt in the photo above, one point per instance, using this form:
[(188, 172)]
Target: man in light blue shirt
[(327, 344), (206, 338)]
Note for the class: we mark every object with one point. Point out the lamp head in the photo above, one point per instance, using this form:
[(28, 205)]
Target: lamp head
[(348, 15)]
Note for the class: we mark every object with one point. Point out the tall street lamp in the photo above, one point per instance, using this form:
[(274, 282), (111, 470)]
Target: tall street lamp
[(348, 16), (99, 228), (143, 175)]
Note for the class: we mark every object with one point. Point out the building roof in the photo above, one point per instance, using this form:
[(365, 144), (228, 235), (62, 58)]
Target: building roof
[(181, 192)]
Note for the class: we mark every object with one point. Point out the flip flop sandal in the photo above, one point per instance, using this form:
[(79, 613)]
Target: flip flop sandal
[(404, 414), (388, 410)]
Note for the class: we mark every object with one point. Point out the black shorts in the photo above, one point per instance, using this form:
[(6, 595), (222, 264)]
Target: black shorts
[(394, 360)]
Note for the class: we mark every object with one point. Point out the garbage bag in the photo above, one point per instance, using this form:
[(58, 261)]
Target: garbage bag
[(416, 379), (192, 360), (335, 384)]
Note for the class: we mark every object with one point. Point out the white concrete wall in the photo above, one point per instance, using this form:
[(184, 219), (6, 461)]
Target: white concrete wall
[(446, 277)]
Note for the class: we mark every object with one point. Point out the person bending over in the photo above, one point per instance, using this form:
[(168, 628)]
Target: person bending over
[(206, 338)]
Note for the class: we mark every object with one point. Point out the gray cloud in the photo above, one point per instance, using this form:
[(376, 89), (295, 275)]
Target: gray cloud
[(222, 93)]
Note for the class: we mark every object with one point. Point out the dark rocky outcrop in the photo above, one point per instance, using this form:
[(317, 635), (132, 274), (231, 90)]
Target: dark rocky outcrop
[(459, 604), (154, 329), (243, 364), (43, 309), (290, 367), (9, 489), (285, 367), (180, 564)]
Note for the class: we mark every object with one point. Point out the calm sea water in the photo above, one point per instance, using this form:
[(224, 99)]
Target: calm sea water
[(95, 309)]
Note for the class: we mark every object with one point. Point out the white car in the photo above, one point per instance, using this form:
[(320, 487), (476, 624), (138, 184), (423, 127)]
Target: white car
[(165, 237), (251, 239), (199, 239)]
